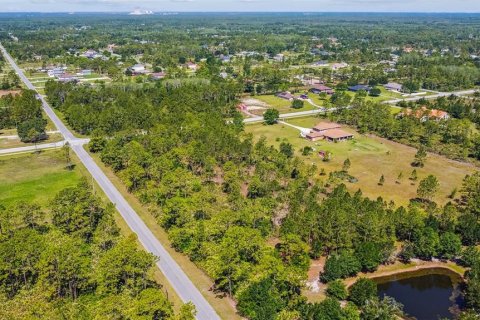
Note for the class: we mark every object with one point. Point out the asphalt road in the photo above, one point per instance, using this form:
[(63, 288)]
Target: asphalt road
[(289, 115), (185, 289), (433, 96), (32, 148)]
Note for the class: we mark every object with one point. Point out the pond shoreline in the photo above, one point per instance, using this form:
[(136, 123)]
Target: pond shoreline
[(417, 265)]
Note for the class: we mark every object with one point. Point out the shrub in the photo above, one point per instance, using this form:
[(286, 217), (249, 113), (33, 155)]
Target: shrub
[(336, 289), (362, 291)]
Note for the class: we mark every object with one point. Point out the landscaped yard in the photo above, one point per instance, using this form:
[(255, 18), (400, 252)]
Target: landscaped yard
[(370, 157)]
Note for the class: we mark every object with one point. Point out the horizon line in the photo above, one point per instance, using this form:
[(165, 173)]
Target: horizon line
[(305, 12)]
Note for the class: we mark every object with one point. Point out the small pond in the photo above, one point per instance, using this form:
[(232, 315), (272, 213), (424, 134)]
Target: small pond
[(428, 294)]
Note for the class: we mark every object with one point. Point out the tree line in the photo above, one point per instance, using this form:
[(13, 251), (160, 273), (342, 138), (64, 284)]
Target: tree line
[(69, 260)]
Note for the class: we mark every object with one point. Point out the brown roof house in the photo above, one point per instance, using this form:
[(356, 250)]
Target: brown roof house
[(424, 114), (329, 131), (337, 135), (319, 88), (285, 95)]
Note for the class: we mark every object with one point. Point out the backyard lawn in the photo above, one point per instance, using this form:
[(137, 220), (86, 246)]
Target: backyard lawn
[(370, 157)]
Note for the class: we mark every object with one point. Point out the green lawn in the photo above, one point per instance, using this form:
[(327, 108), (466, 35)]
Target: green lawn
[(34, 177), (370, 157), (282, 105)]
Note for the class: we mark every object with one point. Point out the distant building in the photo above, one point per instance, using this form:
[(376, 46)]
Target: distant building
[(138, 68), (158, 75), (393, 86), (66, 77), (285, 95), (55, 72), (192, 66), (423, 114), (360, 87), (338, 66), (319, 88), (279, 57), (225, 59), (91, 54), (320, 63)]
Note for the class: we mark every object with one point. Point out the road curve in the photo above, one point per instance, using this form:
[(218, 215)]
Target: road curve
[(185, 289)]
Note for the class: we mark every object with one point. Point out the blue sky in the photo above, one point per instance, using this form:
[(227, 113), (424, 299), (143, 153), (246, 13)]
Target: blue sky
[(242, 5)]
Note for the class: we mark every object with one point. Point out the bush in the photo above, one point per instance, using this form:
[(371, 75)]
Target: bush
[(340, 266), (297, 104), (271, 116), (362, 291), (336, 289), (375, 92), (307, 151)]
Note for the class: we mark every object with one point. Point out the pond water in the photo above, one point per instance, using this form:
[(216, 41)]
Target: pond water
[(429, 294)]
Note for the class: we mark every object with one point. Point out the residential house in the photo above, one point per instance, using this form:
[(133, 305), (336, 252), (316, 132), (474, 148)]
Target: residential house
[(393, 86), (424, 114), (192, 66), (319, 88), (285, 95), (320, 63), (91, 54), (338, 66), (85, 72), (158, 75), (329, 131), (279, 57), (324, 126), (359, 87), (55, 72), (66, 77), (138, 68), (337, 135)]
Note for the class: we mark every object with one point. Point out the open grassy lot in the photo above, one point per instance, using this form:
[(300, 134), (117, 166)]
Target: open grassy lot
[(34, 177), (370, 157), (282, 105)]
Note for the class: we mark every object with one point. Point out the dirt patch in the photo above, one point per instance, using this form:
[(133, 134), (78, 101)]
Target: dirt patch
[(7, 92), (313, 284), (250, 103)]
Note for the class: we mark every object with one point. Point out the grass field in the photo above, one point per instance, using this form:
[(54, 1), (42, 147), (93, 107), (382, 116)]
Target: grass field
[(282, 105), (34, 177), (371, 157)]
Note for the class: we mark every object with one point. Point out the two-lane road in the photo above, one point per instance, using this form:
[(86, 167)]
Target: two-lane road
[(433, 96), (185, 289)]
